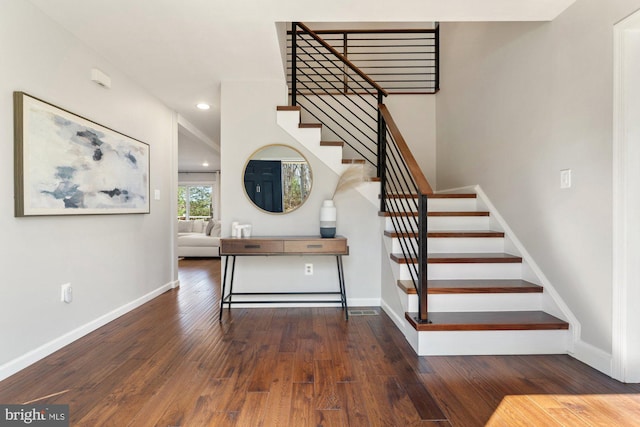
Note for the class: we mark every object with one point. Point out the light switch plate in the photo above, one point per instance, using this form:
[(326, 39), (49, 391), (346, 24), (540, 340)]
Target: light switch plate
[(565, 178)]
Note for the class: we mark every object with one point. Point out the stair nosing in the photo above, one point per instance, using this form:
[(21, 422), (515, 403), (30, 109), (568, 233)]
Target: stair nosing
[(433, 196), (331, 144), (438, 214), (461, 258), (288, 108), (438, 234), (463, 286), (310, 125), (546, 321)]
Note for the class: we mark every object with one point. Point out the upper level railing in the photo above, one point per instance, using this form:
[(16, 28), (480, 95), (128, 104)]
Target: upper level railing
[(318, 73), (402, 61), (349, 103)]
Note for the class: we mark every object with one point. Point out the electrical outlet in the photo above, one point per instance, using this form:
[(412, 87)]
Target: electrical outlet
[(66, 293), (308, 269)]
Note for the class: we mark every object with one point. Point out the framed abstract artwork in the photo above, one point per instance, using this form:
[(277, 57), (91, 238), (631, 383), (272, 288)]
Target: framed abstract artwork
[(65, 164)]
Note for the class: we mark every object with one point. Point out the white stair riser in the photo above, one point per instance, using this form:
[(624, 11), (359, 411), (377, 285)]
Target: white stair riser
[(477, 302), (468, 271), (454, 205), (445, 343), (433, 205), (452, 223), (455, 244)]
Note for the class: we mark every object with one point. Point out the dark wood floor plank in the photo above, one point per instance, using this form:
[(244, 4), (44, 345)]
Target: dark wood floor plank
[(423, 401), (253, 410), (289, 340), (325, 391), (329, 418), (461, 402), (170, 362), (302, 410), (379, 410), (353, 404), (303, 366), (210, 403), (265, 363), (281, 392)]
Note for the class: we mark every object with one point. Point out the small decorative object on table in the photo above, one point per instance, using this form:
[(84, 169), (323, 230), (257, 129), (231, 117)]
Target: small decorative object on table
[(328, 219), (351, 177)]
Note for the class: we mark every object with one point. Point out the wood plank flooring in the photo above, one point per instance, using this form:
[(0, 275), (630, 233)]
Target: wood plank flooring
[(171, 363)]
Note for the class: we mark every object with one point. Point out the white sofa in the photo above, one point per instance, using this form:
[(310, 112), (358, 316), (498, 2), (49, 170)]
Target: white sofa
[(197, 238)]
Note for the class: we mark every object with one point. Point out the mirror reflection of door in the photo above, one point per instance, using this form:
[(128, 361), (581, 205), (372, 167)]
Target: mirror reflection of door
[(263, 183)]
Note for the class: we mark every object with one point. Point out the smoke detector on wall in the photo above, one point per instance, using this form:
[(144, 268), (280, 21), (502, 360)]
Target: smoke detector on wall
[(100, 78)]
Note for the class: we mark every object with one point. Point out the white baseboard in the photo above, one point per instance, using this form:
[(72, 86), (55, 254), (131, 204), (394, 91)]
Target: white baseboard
[(56, 344), (400, 322), (593, 356), (351, 303)]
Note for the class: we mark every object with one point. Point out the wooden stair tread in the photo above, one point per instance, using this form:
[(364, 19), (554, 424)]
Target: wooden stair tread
[(434, 196), (448, 233), (461, 258), (310, 125), (353, 161), (473, 286), (288, 108), (437, 214), (331, 144), (488, 321)]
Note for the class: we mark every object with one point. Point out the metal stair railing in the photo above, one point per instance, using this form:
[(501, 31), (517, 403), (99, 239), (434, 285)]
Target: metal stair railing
[(319, 72), (404, 191), (320, 78)]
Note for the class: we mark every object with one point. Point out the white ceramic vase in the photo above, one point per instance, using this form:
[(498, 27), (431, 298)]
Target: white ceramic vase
[(328, 217)]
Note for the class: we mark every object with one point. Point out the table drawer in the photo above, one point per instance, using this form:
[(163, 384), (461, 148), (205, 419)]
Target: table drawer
[(250, 246), (332, 246)]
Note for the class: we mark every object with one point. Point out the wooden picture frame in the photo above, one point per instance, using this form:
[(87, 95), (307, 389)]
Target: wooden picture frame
[(65, 164)]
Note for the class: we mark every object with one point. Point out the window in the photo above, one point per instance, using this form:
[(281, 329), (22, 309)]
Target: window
[(195, 202)]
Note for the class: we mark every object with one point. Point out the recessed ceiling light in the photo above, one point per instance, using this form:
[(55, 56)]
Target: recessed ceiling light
[(205, 164), (203, 106)]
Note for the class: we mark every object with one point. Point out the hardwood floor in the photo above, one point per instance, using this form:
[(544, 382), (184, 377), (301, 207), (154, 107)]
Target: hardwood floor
[(171, 363)]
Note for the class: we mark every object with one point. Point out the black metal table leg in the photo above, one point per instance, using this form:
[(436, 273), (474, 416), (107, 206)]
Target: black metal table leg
[(233, 274), (224, 283), (343, 290)]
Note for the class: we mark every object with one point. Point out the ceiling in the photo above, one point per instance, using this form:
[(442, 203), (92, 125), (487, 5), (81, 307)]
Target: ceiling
[(180, 52)]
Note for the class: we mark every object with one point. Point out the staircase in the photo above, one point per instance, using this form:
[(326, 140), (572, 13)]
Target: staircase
[(478, 301), (471, 291)]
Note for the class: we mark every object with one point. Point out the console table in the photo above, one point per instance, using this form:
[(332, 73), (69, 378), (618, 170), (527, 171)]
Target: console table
[(282, 246)]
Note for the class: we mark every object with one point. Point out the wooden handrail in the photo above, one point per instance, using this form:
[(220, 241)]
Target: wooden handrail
[(341, 57), (421, 181)]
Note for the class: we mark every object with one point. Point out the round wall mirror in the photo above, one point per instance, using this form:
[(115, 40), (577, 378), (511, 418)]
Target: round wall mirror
[(277, 178)]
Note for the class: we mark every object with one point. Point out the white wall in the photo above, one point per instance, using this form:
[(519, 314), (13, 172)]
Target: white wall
[(415, 116), (519, 102), (626, 207), (111, 261), (248, 123)]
